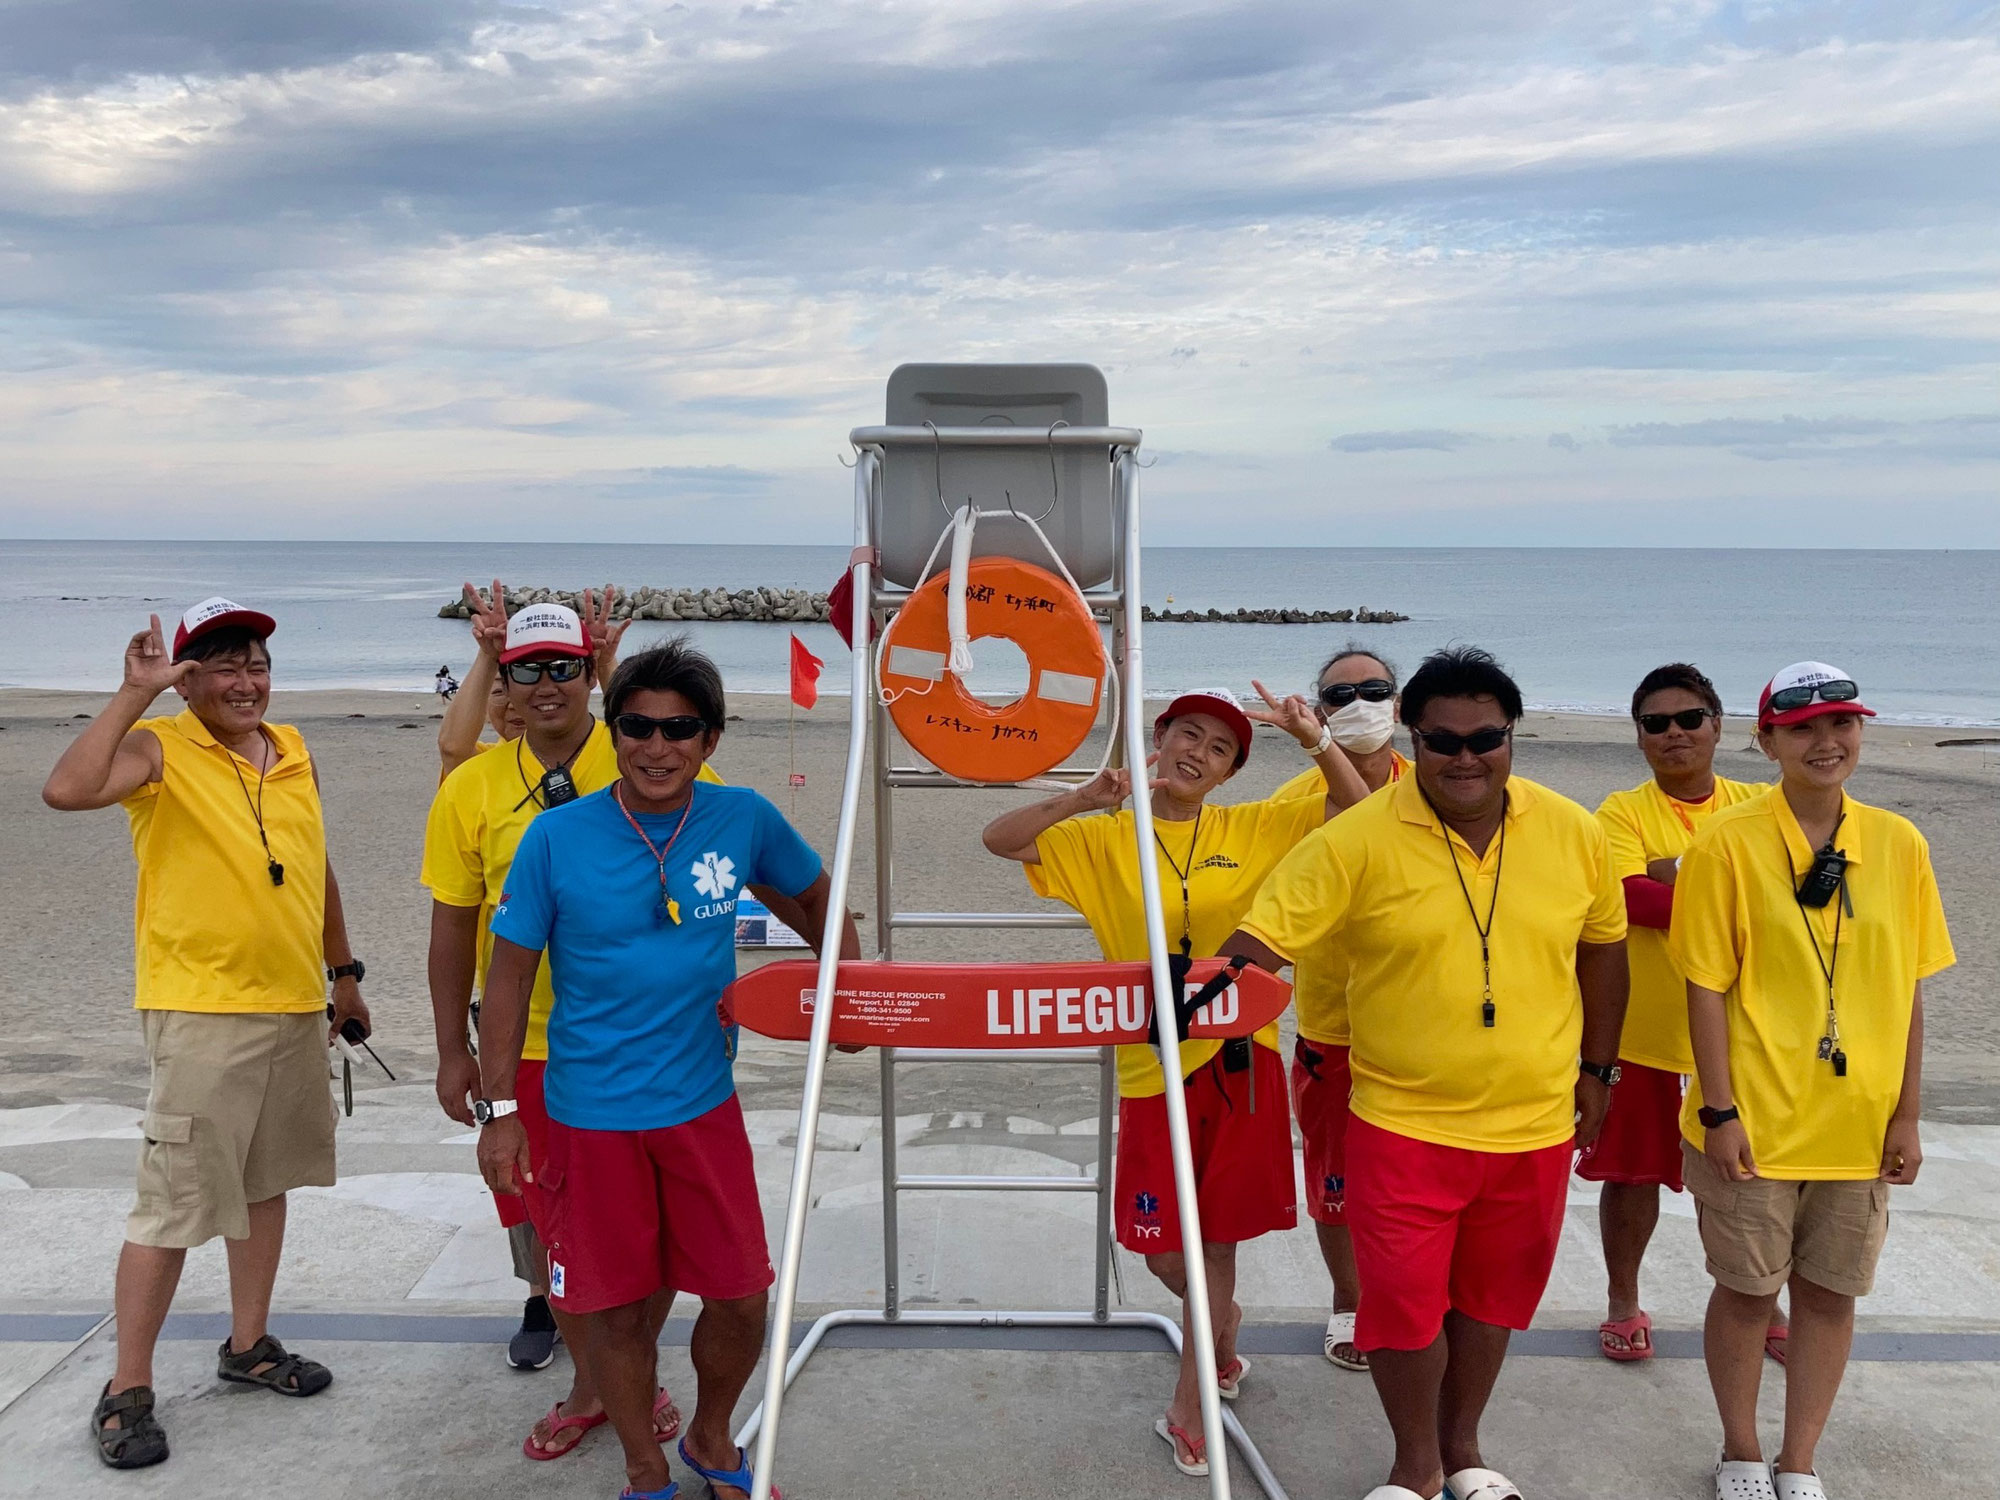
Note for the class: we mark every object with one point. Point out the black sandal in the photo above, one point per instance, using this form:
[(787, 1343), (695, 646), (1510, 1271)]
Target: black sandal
[(138, 1440), (289, 1375)]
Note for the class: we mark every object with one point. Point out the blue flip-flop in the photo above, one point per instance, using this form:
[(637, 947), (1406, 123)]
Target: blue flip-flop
[(740, 1476)]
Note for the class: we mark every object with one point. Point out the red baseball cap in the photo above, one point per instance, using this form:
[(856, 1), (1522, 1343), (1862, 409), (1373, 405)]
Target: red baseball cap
[(218, 613), (545, 630), (1811, 688), (1217, 703)]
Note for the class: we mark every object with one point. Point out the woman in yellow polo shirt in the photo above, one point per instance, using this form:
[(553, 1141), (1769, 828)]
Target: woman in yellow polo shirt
[(1806, 923), (1211, 860)]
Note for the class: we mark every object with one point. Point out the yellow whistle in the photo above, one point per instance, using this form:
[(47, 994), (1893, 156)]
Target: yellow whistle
[(673, 911)]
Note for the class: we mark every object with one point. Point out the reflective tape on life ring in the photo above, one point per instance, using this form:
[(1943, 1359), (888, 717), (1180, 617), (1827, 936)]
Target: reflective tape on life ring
[(965, 736)]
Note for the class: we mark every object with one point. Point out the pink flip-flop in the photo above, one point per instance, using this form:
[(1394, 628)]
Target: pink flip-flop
[(665, 1403), (1775, 1340), (560, 1422), (1626, 1339), (1229, 1379)]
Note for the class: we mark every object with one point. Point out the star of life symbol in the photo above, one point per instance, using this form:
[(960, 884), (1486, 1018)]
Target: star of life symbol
[(1147, 1204), (714, 875)]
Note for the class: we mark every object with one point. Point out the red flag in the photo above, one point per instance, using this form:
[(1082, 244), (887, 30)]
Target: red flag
[(805, 674)]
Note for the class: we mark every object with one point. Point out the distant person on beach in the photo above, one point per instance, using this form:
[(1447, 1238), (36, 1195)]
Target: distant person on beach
[(239, 927), (1356, 694), (1806, 923), (1677, 714), (1211, 858), (1484, 931), (447, 685), (646, 1179), (546, 666), (482, 699)]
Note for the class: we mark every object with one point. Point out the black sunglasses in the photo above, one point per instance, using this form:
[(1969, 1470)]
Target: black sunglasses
[(1340, 694), (1840, 690), (679, 727), (1689, 719), (563, 669), (1479, 742)]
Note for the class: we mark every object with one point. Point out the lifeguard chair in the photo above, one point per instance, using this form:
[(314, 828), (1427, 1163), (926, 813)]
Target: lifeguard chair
[(1030, 446)]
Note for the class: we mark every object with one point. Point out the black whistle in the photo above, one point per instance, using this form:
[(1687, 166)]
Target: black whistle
[(1486, 1013), (1839, 1063), (277, 872)]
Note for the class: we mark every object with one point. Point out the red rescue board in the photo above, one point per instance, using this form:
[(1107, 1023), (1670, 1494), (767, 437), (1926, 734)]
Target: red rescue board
[(992, 1005)]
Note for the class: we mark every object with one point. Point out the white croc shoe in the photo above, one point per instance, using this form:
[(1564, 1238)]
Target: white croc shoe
[(1480, 1484), (1339, 1332), (1798, 1486), (1743, 1479)]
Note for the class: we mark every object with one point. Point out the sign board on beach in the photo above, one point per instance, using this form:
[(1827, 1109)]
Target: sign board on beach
[(1079, 1004)]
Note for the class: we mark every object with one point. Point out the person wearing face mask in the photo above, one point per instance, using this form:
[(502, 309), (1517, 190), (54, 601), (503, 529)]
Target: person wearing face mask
[(1806, 923), (1357, 703), (1211, 859), (546, 661), (1484, 931), (1678, 717)]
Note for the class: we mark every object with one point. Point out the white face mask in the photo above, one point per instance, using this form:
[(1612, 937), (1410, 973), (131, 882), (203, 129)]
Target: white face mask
[(1363, 727)]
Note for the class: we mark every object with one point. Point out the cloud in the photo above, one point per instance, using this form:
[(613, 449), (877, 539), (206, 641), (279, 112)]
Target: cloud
[(457, 246), (1435, 439)]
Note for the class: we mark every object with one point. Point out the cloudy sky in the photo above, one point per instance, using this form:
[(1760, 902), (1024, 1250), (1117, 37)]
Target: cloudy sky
[(1436, 271)]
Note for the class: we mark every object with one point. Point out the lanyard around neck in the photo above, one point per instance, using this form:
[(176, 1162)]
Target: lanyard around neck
[(669, 910), (536, 789), (271, 866), (1187, 910), (1487, 1010)]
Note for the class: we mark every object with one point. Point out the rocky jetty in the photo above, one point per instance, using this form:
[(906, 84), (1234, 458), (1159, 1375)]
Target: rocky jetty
[(1362, 616), (803, 607), (794, 606)]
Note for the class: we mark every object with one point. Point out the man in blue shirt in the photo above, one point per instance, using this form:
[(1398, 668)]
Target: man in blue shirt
[(632, 893)]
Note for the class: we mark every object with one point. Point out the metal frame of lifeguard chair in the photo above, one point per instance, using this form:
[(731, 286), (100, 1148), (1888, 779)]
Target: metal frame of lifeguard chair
[(876, 600)]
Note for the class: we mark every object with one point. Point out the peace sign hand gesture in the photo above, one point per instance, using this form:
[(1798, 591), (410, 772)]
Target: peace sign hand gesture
[(489, 618), (1112, 786), (148, 668), (1293, 715), (601, 630)]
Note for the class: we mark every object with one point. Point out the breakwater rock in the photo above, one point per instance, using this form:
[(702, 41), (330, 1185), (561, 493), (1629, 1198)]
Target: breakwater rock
[(803, 607), (1362, 616), (795, 606)]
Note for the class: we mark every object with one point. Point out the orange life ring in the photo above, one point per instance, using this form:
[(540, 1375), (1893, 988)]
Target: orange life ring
[(977, 741)]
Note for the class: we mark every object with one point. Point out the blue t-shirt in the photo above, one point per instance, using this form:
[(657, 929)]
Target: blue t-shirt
[(634, 1040)]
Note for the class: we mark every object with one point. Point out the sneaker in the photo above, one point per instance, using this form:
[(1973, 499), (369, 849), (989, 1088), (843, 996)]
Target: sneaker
[(533, 1346)]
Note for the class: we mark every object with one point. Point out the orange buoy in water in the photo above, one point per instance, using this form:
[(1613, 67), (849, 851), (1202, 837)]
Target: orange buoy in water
[(964, 736)]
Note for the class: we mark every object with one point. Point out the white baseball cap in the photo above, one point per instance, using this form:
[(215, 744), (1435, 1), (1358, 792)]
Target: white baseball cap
[(217, 613), (544, 630)]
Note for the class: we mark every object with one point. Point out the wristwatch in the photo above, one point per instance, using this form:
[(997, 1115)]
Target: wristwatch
[(353, 971), (1710, 1118), (486, 1111), (1325, 739), (1607, 1074)]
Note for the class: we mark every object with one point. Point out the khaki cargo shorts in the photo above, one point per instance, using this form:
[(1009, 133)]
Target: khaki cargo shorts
[(239, 1112), (1757, 1233)]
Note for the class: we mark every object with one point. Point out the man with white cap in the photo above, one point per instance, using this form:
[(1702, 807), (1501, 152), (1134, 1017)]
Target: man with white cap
[(547, 665), (1806, 923), (1211, 860), (239, 927)]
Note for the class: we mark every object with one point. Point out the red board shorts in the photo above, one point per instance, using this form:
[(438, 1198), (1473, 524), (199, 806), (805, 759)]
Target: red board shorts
[(1242, 1159), (633, 1211), (530, 1206), (1641, 1138), (1321, 1085), (1442, 1227)]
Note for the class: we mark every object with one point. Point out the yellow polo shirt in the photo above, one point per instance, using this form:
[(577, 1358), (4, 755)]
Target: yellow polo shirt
[(1645, 824), (1319, 974), (476, 822), (210, 931), (1091, 864), (1740, 931), (1378, 880)]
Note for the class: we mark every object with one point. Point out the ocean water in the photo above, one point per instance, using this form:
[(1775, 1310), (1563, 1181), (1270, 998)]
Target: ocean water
[(1578, 627)]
